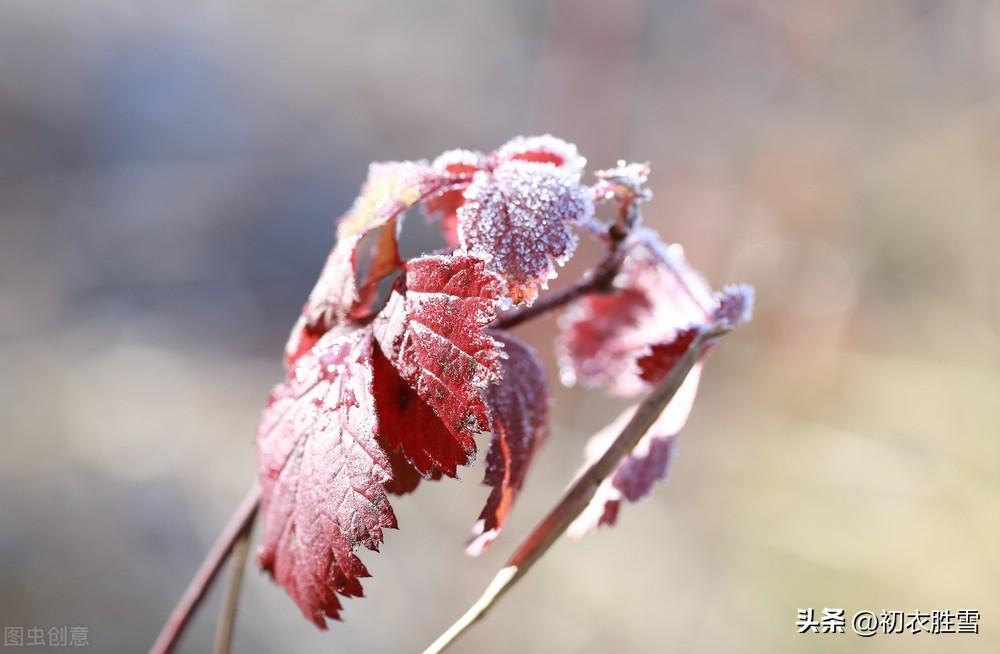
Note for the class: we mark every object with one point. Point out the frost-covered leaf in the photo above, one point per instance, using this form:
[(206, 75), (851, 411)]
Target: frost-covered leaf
[(329, 302), (520, 409), (456, 168), (390, 189), (322, 472), (603, 336), (541, 175), (519, 219), (638, 335), (418, 443), (366, 251), (431, 331), (542, 149), (734, 305), (637, 473)]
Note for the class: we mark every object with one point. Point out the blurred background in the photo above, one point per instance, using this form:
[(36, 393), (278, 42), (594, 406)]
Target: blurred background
[(170, 178)]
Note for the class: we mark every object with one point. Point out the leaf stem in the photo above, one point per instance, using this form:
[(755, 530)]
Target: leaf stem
[(209, 569), (579, 494), (227, 612)]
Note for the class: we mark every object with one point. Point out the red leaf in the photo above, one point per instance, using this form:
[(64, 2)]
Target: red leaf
[(321, 472), (329, 301), (457, 168), (734, 306), (365, 254), (636, 474), (542, 149), (520, 408), (432, 332), (662, 357), (518, 218), (409, 429), (604, 335)]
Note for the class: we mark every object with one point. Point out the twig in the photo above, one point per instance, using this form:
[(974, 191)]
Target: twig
[(230, 602), (580, 492), (206, 573)]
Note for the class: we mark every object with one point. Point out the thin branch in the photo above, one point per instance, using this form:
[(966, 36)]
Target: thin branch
[(227, 612), (206, 573), (580, 492)]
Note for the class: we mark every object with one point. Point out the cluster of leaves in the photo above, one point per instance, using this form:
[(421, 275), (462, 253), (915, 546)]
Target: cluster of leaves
[(393, 368)]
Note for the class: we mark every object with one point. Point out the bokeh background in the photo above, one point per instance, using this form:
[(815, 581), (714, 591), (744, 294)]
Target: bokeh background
[(170, 177)]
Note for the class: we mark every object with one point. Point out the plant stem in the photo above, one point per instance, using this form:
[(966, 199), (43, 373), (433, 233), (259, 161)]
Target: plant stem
[(203, 578), (227, 612), (576, 499)]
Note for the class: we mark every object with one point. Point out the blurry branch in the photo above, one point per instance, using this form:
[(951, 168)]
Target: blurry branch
[(580, 493), (239, 523), (227, 612)]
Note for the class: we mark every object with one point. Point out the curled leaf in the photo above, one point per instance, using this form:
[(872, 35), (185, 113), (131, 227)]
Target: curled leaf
[(366, 252), (520, 409)]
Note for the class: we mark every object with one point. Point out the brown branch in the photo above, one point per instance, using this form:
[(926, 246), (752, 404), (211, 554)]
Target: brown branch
[(580, 492), (203, 578), (227, 612)]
